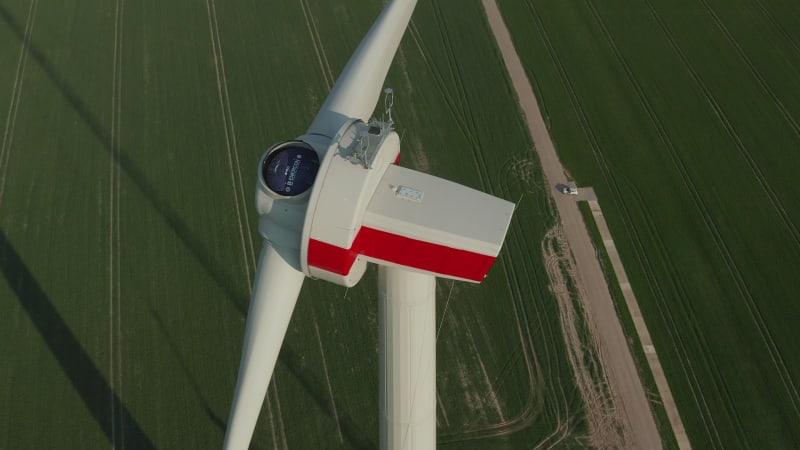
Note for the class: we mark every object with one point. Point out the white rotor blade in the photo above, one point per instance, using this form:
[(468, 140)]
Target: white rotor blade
[(275, 292), (359, 86)]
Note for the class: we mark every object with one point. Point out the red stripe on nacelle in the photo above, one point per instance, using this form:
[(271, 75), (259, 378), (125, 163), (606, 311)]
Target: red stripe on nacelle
[(400, 250)]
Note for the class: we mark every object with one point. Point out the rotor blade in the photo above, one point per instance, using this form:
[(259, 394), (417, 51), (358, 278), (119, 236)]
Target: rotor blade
[(275, 292), (359, 86)]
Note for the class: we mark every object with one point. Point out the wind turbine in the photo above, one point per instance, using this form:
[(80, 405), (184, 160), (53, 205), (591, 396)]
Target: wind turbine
[(332, 200)]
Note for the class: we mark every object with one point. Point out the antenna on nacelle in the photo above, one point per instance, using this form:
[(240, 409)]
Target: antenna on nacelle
[(388, 104)]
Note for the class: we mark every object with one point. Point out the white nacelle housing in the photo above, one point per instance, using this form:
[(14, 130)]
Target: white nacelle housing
[(353, 166), (362, 208), (353, 206)]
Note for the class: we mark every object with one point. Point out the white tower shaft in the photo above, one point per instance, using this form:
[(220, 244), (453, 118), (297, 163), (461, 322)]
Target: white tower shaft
[(407, 359), (275, 294)]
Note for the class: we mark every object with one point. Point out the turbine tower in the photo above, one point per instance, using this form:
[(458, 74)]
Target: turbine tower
[(332, 200)]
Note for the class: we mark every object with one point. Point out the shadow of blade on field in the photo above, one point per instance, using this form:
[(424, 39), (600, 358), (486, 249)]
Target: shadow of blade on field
[(84, 376), (185, 367), (235, 294), (351, 430)]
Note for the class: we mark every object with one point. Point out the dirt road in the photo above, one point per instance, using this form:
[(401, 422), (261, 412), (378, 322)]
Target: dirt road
[(629, 396)]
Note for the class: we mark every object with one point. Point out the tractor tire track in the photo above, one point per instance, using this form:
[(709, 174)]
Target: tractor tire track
[(450, 58), (679, 339), (328, 380), (471, 124), (114, 238), (604, 420), (741, 284), (444, 87), (455, 93), (240, 201), (711, 226), (534, 359), (327, 73), (16, 94), (729, 128), (491, 396), (531, 407), (787, 116), (451, 99), (777, 25)]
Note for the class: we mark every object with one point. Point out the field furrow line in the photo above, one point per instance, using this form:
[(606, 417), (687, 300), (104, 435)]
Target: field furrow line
[(245, 238), (234, 145), (476, 143), (239, 192), (462, 98), (241, 205), (470, 124), (777, 25), (528, 414), (677, 338), (117, 212), (279, 414), (327, 73), (787, 116), (712, 227), (527, 349), (328, 380), (444, 88), (755, 312), (450, 59), (442, 411), (271, 417), (455, 101), (731, 130), (16, 94), (772, 196), (491, 395), (686, 178), (114, 246)]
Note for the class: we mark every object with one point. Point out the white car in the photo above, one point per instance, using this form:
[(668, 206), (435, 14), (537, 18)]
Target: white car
[(571, 190)]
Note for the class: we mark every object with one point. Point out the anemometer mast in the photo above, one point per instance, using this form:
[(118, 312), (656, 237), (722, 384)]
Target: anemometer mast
[(332, 201)]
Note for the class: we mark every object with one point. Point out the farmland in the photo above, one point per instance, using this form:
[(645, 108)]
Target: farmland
[(684, 117), (128, 239)]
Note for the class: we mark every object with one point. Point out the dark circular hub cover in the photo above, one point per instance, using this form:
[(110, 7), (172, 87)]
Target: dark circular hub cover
[(290, 170)]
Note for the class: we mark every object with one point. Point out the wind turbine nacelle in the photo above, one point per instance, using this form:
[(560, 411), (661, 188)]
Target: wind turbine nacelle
[(292, 176), (333, 205)]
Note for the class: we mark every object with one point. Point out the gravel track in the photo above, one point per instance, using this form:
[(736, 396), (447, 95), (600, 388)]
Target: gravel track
[(639, 427)]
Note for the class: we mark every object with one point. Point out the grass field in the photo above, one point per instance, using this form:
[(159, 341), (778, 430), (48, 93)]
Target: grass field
[(128, 237), (684, 117)]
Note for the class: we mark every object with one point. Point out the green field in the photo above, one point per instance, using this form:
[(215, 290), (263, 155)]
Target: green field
[(684, 117), (131, 131)]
